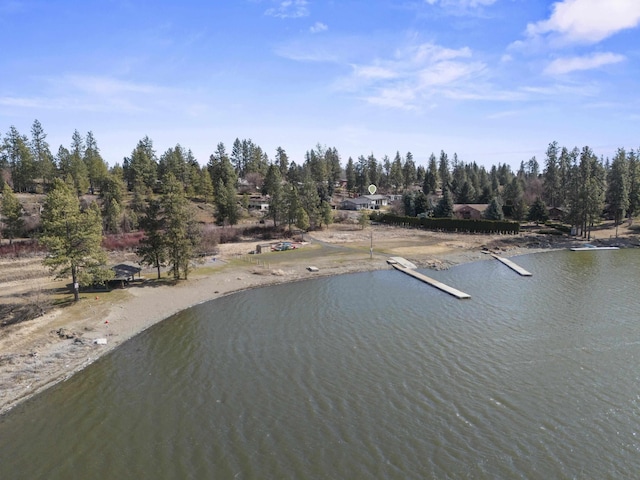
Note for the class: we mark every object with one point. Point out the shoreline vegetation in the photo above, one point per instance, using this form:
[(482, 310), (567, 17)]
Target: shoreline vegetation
[(37, 354)]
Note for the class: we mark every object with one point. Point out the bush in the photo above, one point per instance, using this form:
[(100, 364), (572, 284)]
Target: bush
[(452, 224), (122, 241)]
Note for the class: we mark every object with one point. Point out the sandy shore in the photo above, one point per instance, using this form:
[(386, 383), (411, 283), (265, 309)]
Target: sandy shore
[(37, 354)]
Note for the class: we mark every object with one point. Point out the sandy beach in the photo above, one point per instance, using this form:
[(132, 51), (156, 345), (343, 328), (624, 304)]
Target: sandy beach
[(39, 353)]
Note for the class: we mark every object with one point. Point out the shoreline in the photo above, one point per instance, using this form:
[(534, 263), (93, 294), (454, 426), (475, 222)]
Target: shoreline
[(41, 353)]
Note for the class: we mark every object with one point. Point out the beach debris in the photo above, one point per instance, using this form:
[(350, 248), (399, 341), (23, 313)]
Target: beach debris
[(313, 269), (100, 341), (66, 334)]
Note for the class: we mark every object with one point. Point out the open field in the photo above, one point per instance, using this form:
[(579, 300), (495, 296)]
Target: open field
[(37, 353)]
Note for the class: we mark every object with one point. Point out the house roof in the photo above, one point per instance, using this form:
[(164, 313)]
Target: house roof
[(125, 270), (479, 207), (358, 201)]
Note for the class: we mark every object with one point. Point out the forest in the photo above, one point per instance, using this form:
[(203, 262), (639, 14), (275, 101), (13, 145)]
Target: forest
[(85, 199)]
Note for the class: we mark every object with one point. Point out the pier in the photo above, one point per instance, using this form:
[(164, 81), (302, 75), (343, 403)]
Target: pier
[(512, 266), (428, 280)]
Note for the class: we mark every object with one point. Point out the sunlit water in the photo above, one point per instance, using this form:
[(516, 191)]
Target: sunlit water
[(371, 375)]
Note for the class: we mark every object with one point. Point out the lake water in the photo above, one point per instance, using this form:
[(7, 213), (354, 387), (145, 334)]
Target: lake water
[(371, 375)]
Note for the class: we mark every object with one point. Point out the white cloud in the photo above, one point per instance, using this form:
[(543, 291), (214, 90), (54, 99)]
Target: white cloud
[(561, 66), (416, 73), (318, 27), (587, 21), (289, 9)]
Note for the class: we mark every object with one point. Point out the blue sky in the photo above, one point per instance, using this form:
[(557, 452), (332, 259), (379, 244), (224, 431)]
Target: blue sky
[(494, 81)]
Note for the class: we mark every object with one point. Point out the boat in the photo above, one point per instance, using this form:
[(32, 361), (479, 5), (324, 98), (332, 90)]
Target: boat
[(587, 247)]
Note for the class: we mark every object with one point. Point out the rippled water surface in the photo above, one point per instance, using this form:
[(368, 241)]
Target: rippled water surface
[(371, 375)]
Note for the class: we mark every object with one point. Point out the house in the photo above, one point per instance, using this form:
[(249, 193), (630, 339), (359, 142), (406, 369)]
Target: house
[(472, 211), (556, 213), (258, 202), (368, 202)]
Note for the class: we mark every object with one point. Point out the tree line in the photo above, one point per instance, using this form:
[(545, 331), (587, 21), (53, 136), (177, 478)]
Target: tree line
[(150, 192)]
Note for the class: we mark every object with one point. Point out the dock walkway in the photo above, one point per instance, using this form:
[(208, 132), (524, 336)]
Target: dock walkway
[(434, 283), (512, 266)]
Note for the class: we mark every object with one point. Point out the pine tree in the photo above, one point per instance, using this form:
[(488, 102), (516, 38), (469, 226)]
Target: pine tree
[(96, 167), (618, 187), (180, 233), (42, 156), (17, 155), (326, 213), (538, 212), (72, 236), (350, 173), (11, 210), (142, 166), (494, 210), (396, 175), (444, 208), (152, 247), (77, 166), (111, 194), (273, 188)]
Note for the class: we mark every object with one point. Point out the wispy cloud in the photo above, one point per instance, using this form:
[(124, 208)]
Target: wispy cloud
[(587, 21), (462, 3), (289, 9), (93, 93), (107, 86), (561, 66), (461, 7), (318, 27), (414, 74)]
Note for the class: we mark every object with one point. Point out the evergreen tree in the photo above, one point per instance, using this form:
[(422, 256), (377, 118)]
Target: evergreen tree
[(112, 196), (152, 249), (282, 161), (17, 155), (310, 201), (292, 205), (552, 188), (11, 210), (538, 212), (77, 167), (180, 235), (431, 177), (44, 162), (142, 166), (206, 185), (96, 167), (634, 183), (421, 203), (444, 208), (396, 174), (302, 219), (350, 172), (409, 171), (409, 204), (363, 218), (326, 213), (273, 188), (72, 236), (443, 171), (494, 210), (618, 187), (225, 179)]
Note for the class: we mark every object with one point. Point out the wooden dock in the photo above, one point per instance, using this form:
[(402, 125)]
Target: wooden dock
[(431, 281), (512, 266)]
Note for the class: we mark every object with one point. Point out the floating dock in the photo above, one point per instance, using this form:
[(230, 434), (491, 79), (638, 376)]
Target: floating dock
[(589, 248), (512, 266), (430, 281)]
